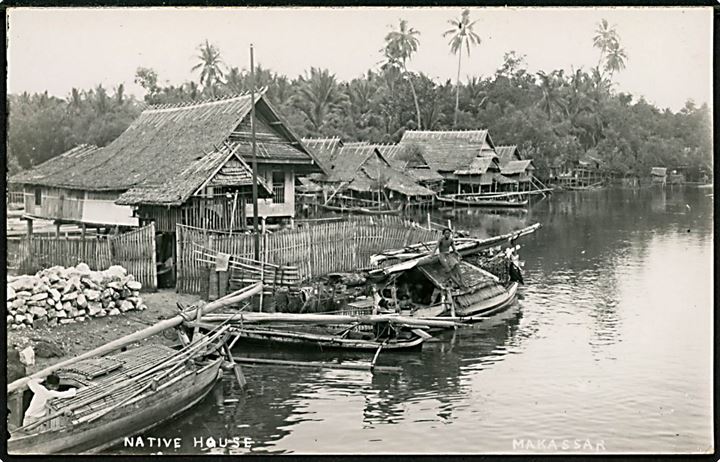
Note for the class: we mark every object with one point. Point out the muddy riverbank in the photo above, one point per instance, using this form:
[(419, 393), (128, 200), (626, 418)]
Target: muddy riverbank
[(57, 343)]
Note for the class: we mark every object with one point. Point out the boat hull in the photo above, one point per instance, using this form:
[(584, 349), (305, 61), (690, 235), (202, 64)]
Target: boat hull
[(492, 305), (146, 411), (322, 342), (361, 210), (487, 203)]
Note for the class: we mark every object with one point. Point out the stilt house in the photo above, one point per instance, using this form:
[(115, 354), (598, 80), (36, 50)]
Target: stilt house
[(446, 152), (409, 159), (176, 164), (358, 172), (186, 163), (658, 175)]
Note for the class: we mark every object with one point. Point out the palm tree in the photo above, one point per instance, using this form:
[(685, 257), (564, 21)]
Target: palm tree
[(234, 81), (461, 34), (75, 100), (550, 85), (318, 95), (210, 66), (616, 58), (608, 41), (399, 48)]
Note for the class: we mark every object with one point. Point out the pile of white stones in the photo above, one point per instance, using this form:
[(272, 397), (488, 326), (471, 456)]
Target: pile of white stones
[(61, 295)]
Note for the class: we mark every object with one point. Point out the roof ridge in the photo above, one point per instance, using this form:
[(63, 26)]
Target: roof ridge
[(202, 102)]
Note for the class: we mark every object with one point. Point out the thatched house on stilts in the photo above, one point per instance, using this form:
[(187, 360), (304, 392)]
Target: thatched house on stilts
[(359, 176), (176, 164), (408, 159), (445, 152)]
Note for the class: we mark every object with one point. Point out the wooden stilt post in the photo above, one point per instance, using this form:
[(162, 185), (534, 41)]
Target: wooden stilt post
[(29, 230), (57, 229)]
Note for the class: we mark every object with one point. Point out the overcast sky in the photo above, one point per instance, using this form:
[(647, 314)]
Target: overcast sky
[(669, 49)]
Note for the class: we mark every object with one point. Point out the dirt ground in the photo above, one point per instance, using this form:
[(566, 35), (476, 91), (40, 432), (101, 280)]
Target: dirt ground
[(77, 338)]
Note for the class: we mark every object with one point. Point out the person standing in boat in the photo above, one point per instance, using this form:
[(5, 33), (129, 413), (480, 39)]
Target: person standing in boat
[(449, 261), (38, 406)]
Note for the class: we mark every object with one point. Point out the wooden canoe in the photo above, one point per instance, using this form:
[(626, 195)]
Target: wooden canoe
[(117, 398), (481, 202), (324, 340), (362, 210)]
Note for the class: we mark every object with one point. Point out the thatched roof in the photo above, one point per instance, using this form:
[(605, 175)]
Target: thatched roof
[(166, 146), (480, 165), (361, 167), (658, 171), (47, 172), (502, 179), (514, 167), (508, 153), (223, 167), (323, 148), (589, 160), (447, 151), (307, 185), (424, 175)]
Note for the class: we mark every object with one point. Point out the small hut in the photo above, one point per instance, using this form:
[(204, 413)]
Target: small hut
[(586, 172), (521, 172), (658, 175)]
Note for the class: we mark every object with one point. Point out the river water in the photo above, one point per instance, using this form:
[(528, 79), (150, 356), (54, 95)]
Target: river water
[(609, 349)]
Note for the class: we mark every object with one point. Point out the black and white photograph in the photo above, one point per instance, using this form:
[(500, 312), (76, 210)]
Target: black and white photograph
[(359, 230)]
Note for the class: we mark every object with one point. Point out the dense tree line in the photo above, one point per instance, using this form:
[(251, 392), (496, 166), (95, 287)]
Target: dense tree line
[(552, 116)]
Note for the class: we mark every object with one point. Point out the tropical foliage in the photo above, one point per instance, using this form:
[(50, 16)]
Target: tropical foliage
[(553, 116)]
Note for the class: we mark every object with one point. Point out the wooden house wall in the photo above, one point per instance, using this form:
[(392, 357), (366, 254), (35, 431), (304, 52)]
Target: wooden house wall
[(215, 213), (78, 206), (268, 207)]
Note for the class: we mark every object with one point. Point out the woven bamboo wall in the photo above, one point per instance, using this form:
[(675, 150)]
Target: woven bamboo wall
[(135, 251), (315, 250)]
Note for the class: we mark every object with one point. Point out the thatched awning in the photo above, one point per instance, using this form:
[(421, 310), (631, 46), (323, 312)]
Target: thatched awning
[(499, 178), (517, 166), (479, 165), (221, 168)]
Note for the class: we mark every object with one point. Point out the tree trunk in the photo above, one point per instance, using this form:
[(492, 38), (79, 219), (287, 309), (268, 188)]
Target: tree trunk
[(457, 90), (417, 106)]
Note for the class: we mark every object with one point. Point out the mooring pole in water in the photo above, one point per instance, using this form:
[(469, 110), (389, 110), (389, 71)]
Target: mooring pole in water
[(254, 157)]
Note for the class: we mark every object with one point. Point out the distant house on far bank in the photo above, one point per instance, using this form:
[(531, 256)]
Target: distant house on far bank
[(658, 175)]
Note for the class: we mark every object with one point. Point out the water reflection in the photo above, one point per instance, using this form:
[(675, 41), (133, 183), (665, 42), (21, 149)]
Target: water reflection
[(609, 340)]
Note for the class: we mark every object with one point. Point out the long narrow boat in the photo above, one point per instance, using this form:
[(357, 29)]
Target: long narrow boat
[(346, 339), (362, 210), (471, 201), (118, 395)]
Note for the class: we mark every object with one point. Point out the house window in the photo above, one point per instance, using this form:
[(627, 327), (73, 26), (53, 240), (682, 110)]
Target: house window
[(278, 187), (38, 196)]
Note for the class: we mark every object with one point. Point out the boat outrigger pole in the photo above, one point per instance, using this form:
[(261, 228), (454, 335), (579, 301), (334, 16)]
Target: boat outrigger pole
[(254, 157)]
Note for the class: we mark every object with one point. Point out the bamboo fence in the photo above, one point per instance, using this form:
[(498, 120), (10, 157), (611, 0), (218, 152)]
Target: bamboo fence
[(135, 251), (313, 250)]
